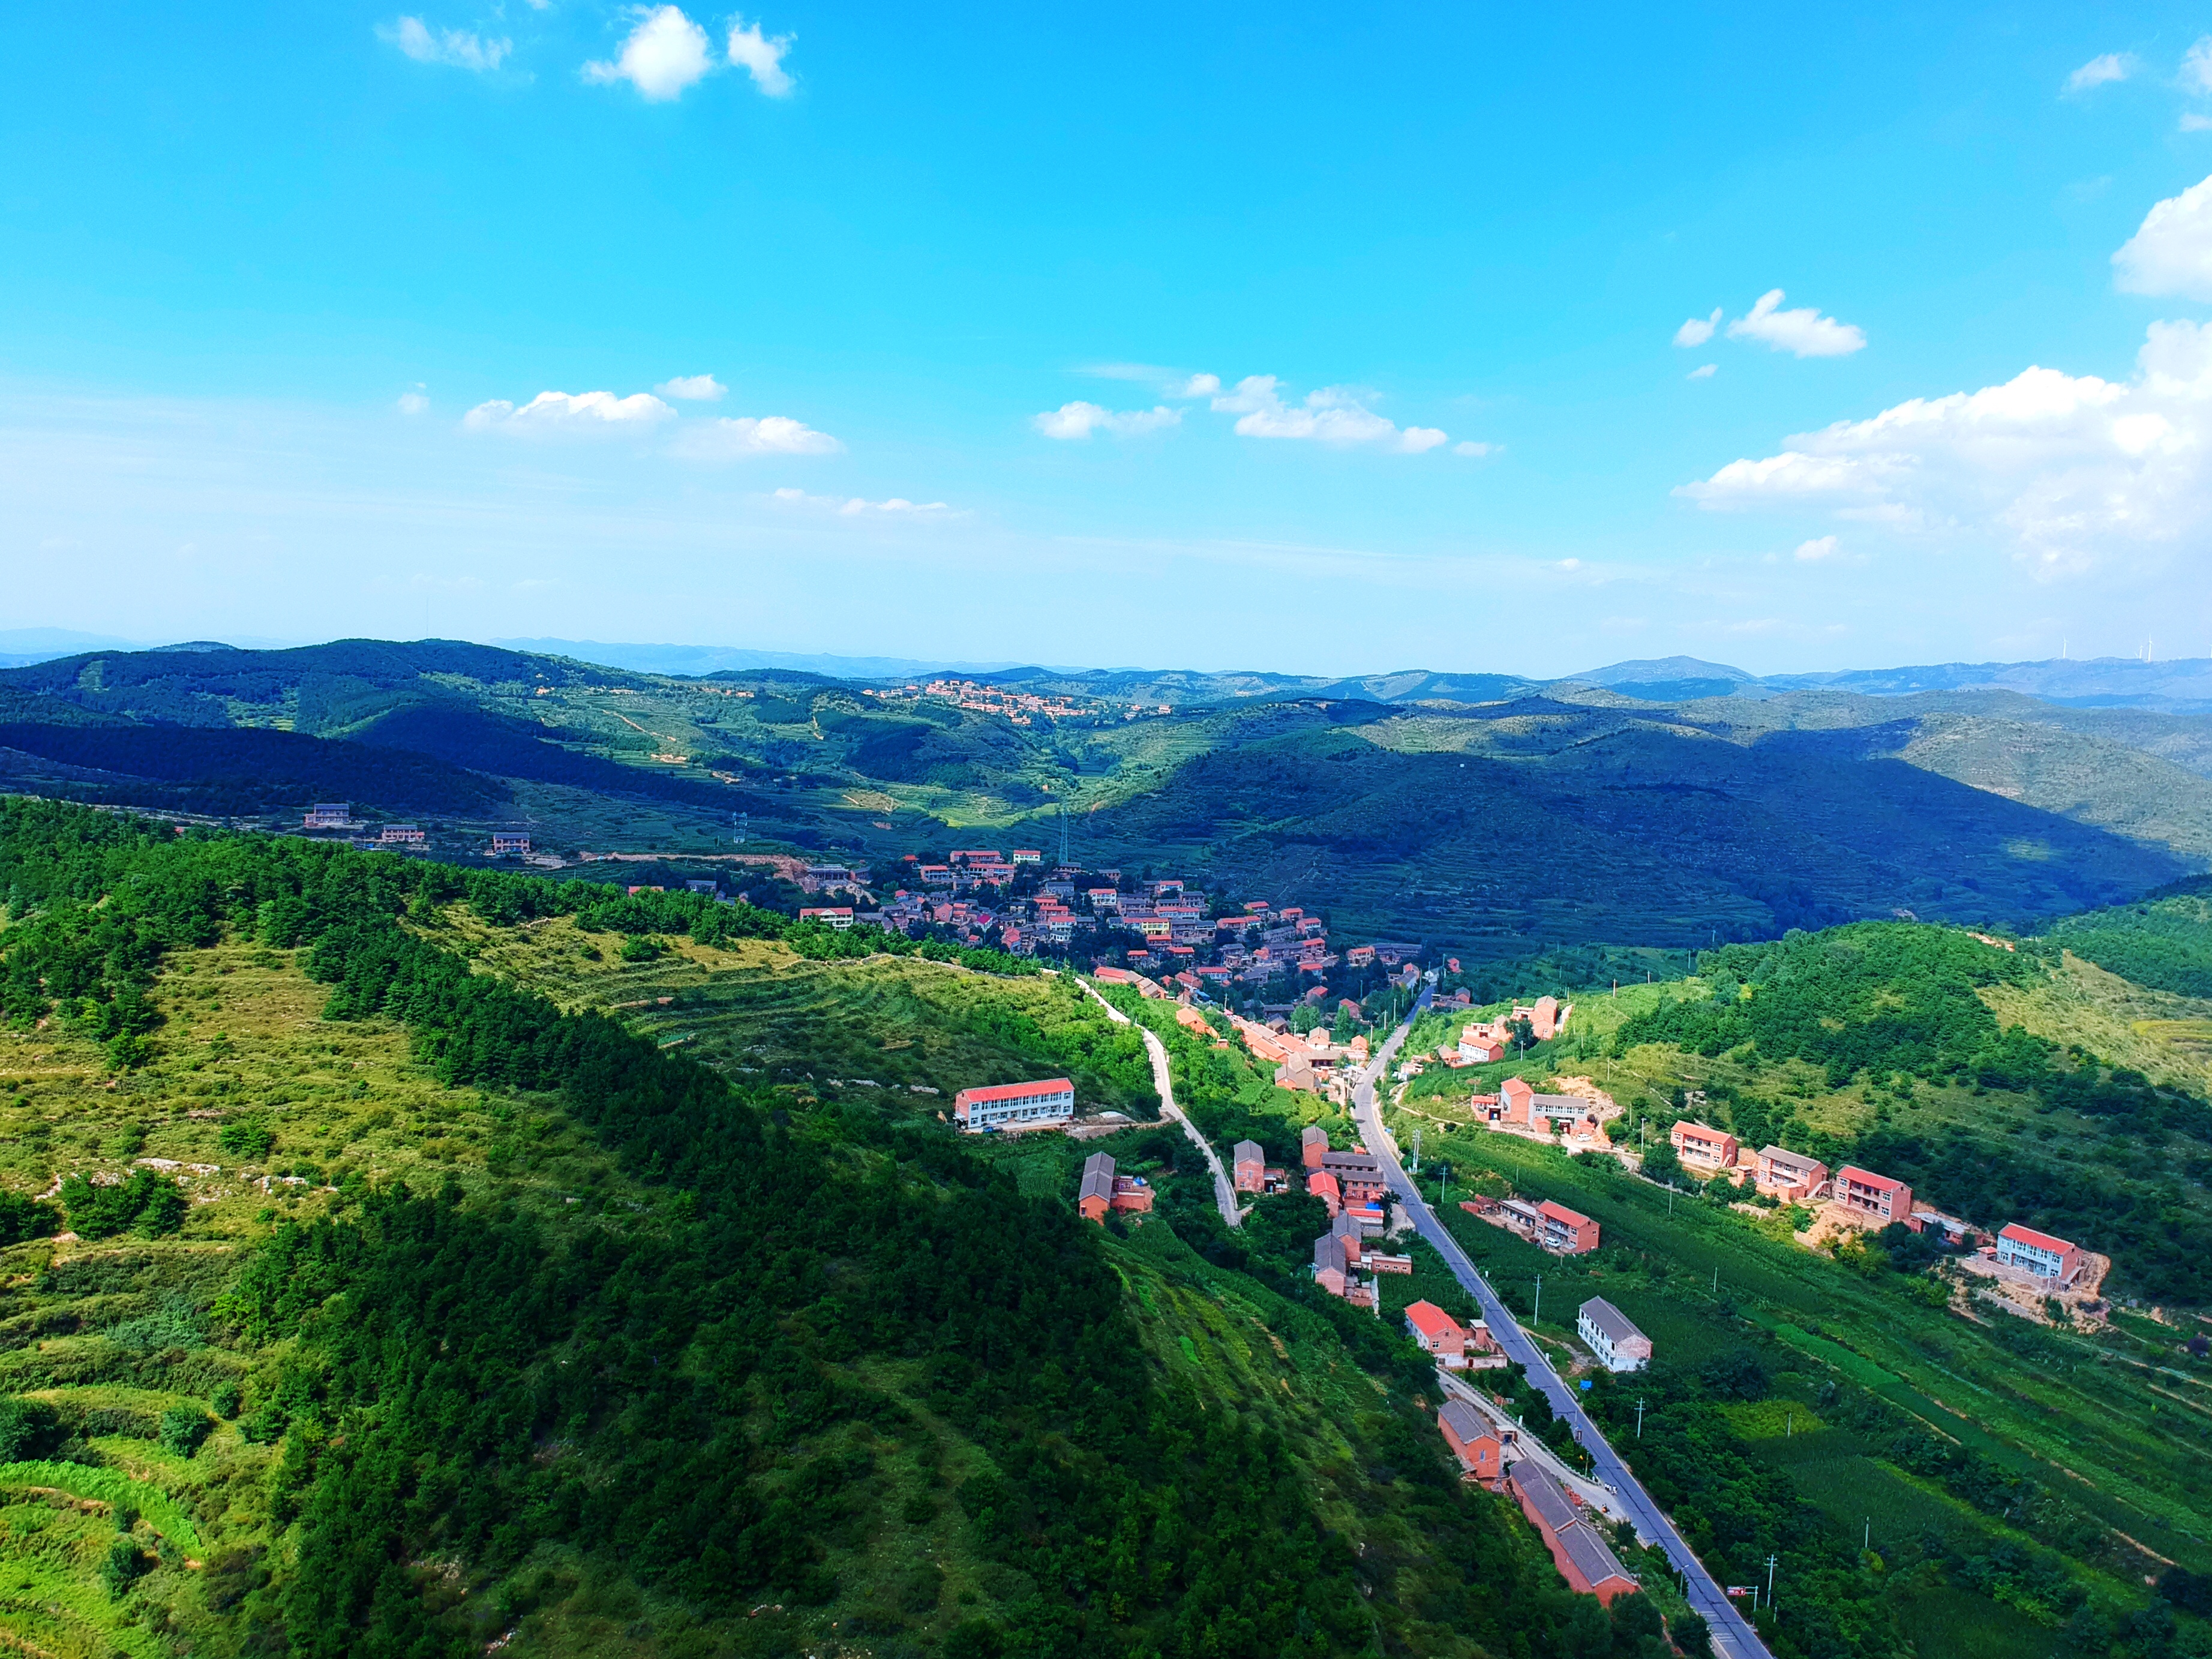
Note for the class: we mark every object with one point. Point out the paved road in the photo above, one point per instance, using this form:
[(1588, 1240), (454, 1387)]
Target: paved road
[(1733, 1635), (1224, 1194)]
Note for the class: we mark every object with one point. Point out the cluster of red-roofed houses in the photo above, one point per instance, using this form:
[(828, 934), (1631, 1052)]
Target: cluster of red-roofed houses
[(1862, 1198)]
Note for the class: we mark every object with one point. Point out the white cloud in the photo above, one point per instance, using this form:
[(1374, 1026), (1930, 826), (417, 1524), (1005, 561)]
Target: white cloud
[(1199, 385), (2196, 65), (551, 413), (761, 57), (1079, 419), (693, 388), (2172, 252), (1332, 415), (856, 507), (456, 47), (1804, 331), (1703, 372), (1697, 330), (2073, 470), (1471, 447), (2193, 122), (413, 402), (734, 438), (1820, 547), (2100, 71), (664, 54)]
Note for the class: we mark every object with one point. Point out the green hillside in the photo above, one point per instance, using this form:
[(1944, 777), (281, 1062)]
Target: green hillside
[(1575, 818), (403, 1308), (2051, 1466)]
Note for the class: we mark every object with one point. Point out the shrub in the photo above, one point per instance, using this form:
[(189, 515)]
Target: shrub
[(183, 1428), (29, 1428), (146, 1204), (247, 1138)]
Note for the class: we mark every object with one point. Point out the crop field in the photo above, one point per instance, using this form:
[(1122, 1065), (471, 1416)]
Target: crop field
[(2084, 1414)]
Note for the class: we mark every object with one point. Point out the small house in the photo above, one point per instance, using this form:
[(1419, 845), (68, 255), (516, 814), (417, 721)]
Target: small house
[(1612, 1335)]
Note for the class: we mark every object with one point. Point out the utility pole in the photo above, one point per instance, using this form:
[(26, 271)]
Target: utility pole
[(1866, 1544), (1639, 1417), (1536, 1312), (1771, 1561)]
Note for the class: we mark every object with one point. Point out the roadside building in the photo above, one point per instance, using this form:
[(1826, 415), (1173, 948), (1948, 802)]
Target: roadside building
[(1701, 1146), (1565, 1232), (2040, 1253), (839, 916), (1437, 1334), (506, 843), (1613, 1337), (329, 815), (1470, 1439), (1313, 1146), (1358, 1174), (1015, 1105), (402, 834), (1249, 1163), (1584, 1559), (1878, 1197), (1789, 1176)]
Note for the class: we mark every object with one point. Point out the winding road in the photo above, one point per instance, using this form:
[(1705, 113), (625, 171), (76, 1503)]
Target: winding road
[(1733, 1635), (1224, 1194)]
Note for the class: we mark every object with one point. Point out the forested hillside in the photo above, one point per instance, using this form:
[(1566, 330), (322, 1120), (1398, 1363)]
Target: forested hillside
[(1487, 816), (433, 1315)]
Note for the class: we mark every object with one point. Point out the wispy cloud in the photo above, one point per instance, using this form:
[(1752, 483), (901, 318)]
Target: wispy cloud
[(734, 438), (1697, 330), (1331, 415), (1703, 372), (1803, 332), (856, 507), (761, 57), (2100, 71), (415, 400), (458, 48), (1078, 420), (551, 413), (693, 388)]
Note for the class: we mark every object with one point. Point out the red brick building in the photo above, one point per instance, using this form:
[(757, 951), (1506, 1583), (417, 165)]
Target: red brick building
[(1470, 1440), (1438, 1333), (1567, 1232), (1584, 1559), (1701, 1146), (1878, 1197)]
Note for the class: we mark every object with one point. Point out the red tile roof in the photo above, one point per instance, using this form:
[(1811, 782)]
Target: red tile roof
[(1017, 1090), (1430, 1320), (2020, 1235)]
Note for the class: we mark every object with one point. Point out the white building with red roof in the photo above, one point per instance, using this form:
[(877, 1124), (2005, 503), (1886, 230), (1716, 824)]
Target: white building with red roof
[(2040, 1253), (1042, 1104)]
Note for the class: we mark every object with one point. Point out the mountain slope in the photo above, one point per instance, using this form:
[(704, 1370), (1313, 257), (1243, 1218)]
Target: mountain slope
[(492, 1324)]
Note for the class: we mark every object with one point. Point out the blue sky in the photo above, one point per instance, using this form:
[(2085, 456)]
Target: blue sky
[(1167, 309)]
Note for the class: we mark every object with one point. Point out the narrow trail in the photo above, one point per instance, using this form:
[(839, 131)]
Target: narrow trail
[(1224, 1194)]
